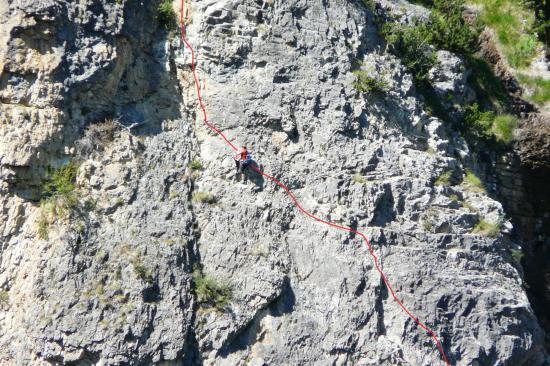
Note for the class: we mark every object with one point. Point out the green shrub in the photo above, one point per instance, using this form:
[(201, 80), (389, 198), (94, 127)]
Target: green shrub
[(412, 44), (449, 31), (517, 255), (503, 127), (166, 15), (444, 179), (209, 292), (445, 29), (473, 182), (486, 228), (485, 124), (58, 197), (365, 83), (195, 165), (205, 197), (59, 181), (477, 122)]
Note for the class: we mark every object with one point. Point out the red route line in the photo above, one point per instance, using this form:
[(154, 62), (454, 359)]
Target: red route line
[(430, 332)]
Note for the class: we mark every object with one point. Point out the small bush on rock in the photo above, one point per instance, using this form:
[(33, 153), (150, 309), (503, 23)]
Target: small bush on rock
[(444, 179), (366, 83), (473, 182), (195, 165), (209, 292), (517, 255), (412, 44), (60, 182), (166, 15), (487, 125), (58, 197), (141, 270), (503, 127), (204, 197), (486, 228)]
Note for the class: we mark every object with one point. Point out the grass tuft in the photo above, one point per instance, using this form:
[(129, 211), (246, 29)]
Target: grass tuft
[(486, 228), (195, 165), (58, 197), (366, 83), (487, 125), (513, 24), (205, 197), (538, 89), (444, 179), (517, 255), (141, 270), (209, 292), (503, 127), (473, 182)]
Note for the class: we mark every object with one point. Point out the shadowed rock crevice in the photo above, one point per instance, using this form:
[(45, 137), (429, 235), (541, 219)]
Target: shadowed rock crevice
[(252, 333)]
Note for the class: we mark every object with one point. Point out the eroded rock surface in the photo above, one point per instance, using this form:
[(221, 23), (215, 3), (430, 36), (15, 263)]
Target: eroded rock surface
[(112, 283)]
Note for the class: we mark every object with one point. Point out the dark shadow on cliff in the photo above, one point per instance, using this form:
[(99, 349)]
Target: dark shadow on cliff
[(248, 335), (251, 174)]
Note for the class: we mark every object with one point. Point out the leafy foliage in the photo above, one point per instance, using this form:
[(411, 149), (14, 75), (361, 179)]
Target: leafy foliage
[(476, 121), (449, 31), (60, 181), (486, 125), (58, 197), (412, 44), (445, 29), (503, 127)]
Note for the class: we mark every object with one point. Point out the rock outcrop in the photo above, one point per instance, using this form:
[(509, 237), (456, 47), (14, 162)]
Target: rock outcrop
[(115, 281)]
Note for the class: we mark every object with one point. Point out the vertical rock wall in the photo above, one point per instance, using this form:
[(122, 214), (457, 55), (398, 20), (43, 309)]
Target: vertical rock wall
[(112, 282)]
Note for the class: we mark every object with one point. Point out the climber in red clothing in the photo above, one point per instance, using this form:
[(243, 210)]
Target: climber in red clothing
[(242, 159)]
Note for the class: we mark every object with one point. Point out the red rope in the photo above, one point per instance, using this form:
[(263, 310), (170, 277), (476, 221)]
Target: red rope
[(430, 332)]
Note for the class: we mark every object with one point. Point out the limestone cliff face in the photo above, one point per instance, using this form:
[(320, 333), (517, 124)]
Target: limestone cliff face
[(111, 283)]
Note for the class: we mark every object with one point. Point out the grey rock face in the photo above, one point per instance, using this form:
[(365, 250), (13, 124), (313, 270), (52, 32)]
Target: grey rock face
[(113, 285), (449, 78)]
